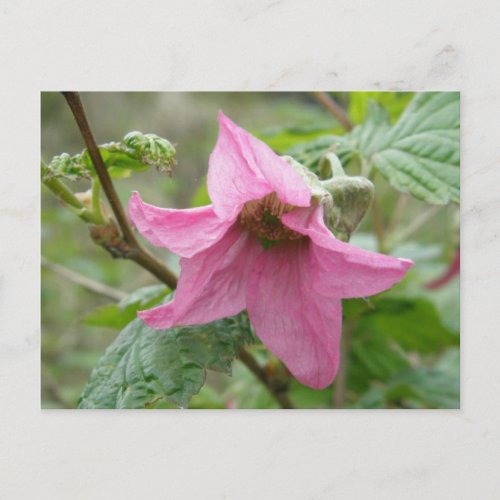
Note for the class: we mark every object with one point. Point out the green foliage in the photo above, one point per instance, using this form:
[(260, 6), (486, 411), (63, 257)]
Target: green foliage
[(281, 139), (144, 365), (310, 153), (388, 336), (64, 165), (121, 314), (421, 387), (137, 152), (420, 154), (403, 344), (393, 102)]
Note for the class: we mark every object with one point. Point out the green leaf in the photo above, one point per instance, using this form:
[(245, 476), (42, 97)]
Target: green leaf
[(422, 387), (144, 365), (137, 152), (120, 315), (426, 388), (66, 166), (281, 139), (414, 325), (309, 153), (393, 102), (420, 154), (388, 334), (374, 357)]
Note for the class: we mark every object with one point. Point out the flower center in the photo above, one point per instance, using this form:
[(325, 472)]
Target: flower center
[(263, 218)]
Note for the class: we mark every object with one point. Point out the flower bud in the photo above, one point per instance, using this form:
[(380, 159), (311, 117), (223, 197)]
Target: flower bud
[(351, 198), (85, 198)]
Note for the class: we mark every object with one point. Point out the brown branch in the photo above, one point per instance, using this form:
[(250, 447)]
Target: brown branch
[(249, 361), (135, 251), (129, 247), (336, 110), (79, 279)]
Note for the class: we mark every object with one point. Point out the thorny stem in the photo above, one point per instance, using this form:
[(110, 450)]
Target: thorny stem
[(336, 110), (138, 254)]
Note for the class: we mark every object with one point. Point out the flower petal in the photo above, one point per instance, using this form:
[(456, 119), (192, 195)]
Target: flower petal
[(243, 168), (212, 284), (340, 269), (296, 324), (183, 232)]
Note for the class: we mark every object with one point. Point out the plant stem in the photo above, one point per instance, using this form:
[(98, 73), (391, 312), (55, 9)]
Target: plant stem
[(414, 225), (79, 279), (137, 253), (96, 201), (397, 213), (249, 361), (378, 225), (340, 382), (335, 109), (67, 196)]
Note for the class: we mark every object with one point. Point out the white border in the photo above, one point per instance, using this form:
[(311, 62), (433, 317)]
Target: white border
[(241, 45)]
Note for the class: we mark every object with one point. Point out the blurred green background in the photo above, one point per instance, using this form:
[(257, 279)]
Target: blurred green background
[(70, 348)]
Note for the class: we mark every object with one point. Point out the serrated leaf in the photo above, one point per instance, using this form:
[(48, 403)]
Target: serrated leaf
[(309, 153), (151, 150), (281, 139), (143, 365), (118, 315), (393, 102), (137, 152), (66, 166), (420, 154)]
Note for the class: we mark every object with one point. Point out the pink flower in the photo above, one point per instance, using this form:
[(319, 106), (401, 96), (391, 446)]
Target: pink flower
[(263, 246)]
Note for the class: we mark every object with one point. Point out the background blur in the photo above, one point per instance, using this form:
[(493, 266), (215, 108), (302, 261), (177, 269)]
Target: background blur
[(71, 348)]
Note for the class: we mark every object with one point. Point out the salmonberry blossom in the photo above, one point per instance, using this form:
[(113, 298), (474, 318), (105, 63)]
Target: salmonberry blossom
[(263, 246)]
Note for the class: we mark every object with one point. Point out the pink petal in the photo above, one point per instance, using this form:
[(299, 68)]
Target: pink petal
[(183, 232), (296, 324), (243, 168), (340, 269), (212, 284)]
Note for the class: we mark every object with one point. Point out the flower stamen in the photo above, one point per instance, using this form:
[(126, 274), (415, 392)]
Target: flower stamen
[(263, 218)]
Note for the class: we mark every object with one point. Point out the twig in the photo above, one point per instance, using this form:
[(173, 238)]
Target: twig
[(403, 200), (340, 382), (136, 252), (68, 197), (378, 225), (415, 224), (79, 279), (249, 361), (336, 110)]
